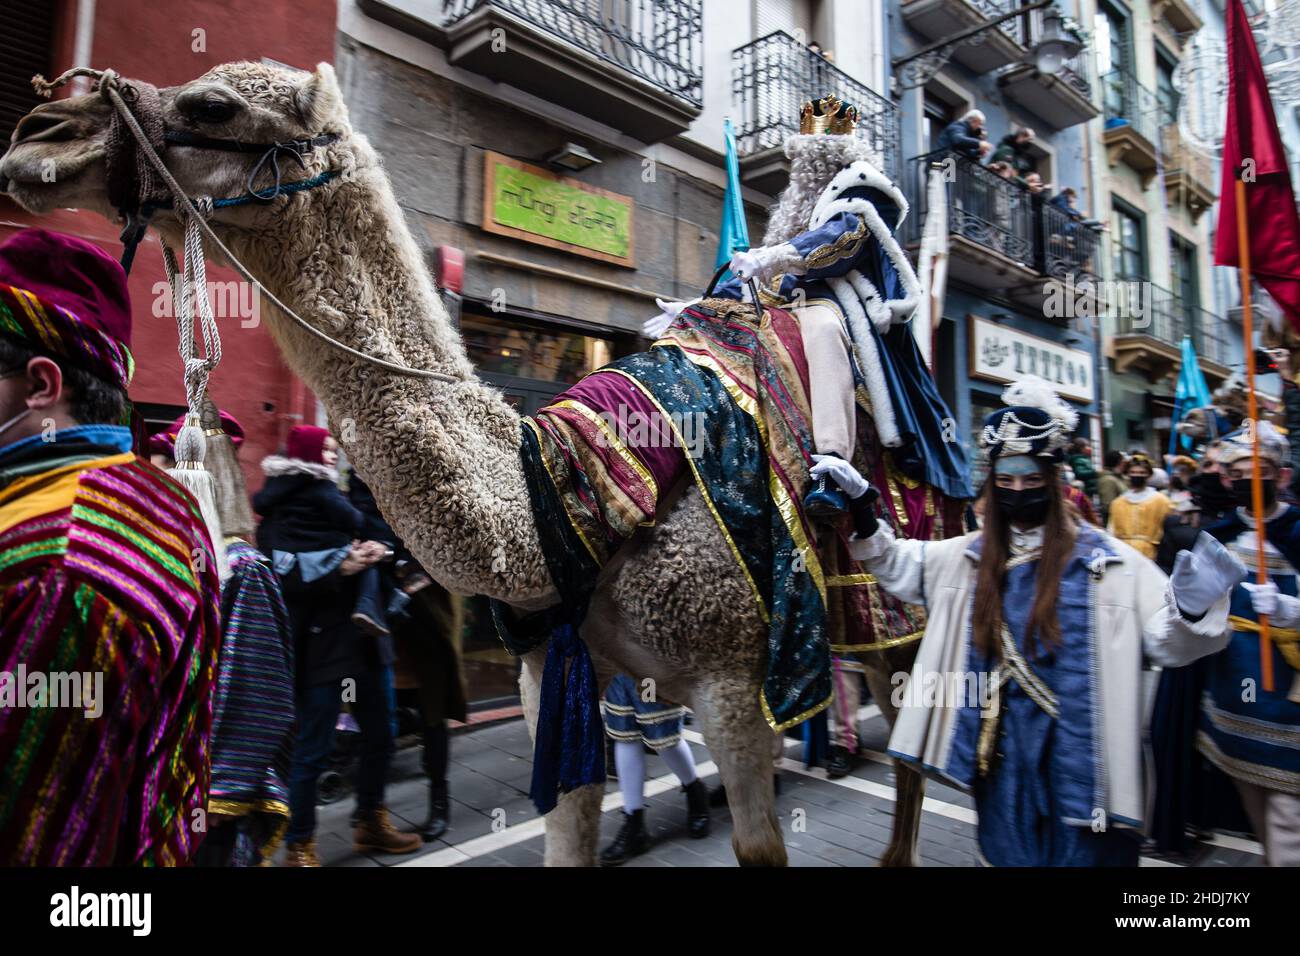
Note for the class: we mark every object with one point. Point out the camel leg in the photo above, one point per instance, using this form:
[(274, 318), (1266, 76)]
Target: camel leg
[(908, 783), (573, 827), (741, 745), (910, 791)]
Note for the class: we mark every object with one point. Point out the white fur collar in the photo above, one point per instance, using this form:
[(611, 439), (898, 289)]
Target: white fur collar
[(893, 311), (857, 175), (276, 465)]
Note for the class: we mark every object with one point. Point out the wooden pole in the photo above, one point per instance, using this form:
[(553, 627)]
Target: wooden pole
[(1256, 480)]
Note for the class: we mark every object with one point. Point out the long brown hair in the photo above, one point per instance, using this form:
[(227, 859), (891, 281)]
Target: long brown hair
[(1059, 529)]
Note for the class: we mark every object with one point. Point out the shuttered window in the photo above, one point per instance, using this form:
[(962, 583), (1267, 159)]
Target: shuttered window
[(28, 36)]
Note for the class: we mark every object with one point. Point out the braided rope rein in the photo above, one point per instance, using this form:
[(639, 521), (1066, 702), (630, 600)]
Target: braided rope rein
[(195, 223)]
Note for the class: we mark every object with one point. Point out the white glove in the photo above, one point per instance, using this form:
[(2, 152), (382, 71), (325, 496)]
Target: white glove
[(653, 328), (1263, 597), (842, 473), (764, 262), (1204, 575)]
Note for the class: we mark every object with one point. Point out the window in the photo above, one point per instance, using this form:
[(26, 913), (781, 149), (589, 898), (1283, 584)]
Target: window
[(1167, 96), (1182, 269), (29, 30), (1114, 57), (1129, 241), (936, 118)]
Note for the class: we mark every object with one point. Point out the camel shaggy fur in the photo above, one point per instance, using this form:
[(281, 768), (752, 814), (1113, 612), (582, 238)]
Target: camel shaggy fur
[(442, 458)]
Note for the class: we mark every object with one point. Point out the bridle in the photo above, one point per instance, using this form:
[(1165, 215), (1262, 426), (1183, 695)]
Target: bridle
[(155, 188)]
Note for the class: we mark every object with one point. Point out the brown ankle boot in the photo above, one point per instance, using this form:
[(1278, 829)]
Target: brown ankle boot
[(373, 832), (301, 853)]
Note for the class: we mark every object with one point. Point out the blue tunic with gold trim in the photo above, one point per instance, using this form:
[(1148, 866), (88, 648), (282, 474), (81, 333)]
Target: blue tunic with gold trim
[(1247, 732)]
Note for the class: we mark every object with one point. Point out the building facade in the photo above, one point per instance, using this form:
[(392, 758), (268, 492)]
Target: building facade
[(195, 35), (1159, 195), (1015, 261)]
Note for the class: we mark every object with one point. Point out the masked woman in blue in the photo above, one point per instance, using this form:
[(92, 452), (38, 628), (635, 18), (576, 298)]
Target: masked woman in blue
[(1027, 686)]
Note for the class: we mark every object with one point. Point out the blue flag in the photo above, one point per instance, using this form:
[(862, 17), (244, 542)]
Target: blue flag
[(734, 235), (1191, 392)]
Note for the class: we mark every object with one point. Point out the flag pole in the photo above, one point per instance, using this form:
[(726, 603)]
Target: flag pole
[(1256, 480)]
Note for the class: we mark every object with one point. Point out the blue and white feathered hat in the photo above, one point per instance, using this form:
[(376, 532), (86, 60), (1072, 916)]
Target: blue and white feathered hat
[(1038, 422)]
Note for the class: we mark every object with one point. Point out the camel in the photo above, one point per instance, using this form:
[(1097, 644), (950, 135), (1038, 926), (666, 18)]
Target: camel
[(443, 457)]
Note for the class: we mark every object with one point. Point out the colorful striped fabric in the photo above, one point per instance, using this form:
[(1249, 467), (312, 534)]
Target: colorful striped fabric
[(252, 717), (114, 580)]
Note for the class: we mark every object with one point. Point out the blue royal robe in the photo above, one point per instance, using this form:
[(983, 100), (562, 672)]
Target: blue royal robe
[(855, 265)]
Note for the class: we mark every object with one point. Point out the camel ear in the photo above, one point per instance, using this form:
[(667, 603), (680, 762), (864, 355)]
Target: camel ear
[(320, 101)]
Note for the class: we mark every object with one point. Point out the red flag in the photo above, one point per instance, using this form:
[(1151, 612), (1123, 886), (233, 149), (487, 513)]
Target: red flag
[(1252, 135)]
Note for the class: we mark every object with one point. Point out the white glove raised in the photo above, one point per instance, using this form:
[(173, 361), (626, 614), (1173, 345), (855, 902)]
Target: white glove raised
[(657, 326), (764, 262), (849, 480), (1204, 575), (1263, 597)]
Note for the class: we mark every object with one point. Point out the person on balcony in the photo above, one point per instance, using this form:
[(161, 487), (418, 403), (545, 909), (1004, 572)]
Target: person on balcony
[(1013, 149), (966, 137)]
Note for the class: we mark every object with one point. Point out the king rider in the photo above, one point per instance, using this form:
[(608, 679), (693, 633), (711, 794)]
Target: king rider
[(1062, 616), (830, 256)]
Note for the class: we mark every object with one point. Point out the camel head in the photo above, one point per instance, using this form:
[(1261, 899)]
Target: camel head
[(57, 155)]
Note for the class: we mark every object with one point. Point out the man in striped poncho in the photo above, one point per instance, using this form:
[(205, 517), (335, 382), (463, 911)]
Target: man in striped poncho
[(108, 588)]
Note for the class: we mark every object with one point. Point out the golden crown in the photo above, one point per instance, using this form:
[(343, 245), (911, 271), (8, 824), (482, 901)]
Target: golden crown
[(827, 115)]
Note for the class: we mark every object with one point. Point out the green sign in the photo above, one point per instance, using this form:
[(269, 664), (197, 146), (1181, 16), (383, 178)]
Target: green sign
[(559, 212)]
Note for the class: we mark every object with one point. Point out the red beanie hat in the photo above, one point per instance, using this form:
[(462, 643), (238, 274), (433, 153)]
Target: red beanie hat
[(307, 442), (66, 297)]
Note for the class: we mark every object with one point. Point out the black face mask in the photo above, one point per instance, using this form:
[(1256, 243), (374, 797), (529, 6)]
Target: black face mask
[(1210, 494), (1138, 481), (1241, 492), (1026, 506)]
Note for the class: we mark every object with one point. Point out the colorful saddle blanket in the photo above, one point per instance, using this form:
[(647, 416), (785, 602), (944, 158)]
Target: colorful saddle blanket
[(726, 400)]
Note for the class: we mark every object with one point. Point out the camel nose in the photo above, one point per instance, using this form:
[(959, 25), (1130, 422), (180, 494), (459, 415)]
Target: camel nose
[(44, 125)]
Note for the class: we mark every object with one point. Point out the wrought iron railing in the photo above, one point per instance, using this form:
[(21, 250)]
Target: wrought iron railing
[(775, 75), (659, 41), (1164, 316), (1128, 102), (1070, 250), (984, 208), (1015, 28)]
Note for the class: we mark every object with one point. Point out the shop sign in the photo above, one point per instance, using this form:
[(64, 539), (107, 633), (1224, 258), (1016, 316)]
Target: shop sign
[(535, 205), (999, 353)]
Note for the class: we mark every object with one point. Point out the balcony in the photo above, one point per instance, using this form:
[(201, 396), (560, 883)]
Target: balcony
[(1179, 14), (1132, 124), (936, 19), (632, 64), (771, 80), (1001, 236), (1061, 100), (1189, 175), (1148, 337)]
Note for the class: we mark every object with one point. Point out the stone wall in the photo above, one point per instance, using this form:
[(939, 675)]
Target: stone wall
[(433, 133)]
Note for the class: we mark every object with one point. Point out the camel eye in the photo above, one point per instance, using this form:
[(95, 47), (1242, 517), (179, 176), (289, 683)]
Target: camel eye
[(213, 110)]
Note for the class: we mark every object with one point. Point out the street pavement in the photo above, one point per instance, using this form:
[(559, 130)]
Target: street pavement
[(842, 822)]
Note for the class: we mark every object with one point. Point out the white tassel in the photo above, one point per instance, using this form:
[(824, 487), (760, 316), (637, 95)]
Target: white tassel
[(189, 472)]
